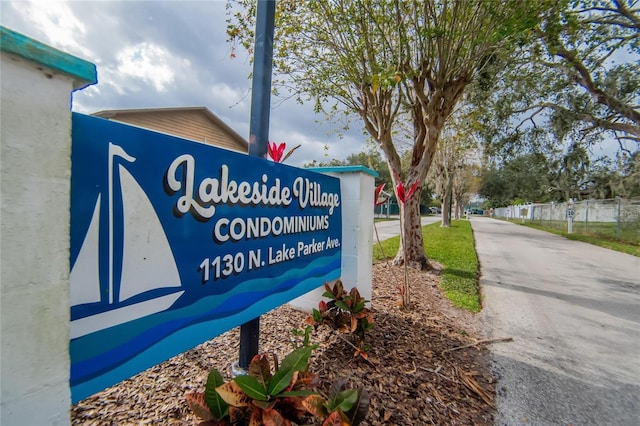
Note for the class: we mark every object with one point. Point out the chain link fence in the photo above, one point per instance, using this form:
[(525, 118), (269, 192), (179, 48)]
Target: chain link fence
[(615, 218)]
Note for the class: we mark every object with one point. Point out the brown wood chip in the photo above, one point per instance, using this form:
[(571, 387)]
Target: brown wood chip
[(424, 365)]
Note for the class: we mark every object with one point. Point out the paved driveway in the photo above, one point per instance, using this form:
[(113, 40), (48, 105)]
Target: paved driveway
[(391, 228), (573, 310)]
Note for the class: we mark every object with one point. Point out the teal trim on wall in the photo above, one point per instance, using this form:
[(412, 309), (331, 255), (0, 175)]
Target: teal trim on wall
[(345, 169), (83, 72)]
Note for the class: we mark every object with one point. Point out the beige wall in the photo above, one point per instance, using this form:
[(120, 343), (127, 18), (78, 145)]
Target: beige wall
[(193, 125)]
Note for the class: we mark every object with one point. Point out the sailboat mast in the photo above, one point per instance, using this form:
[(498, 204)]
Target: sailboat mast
[(113, 151), (110, 220)]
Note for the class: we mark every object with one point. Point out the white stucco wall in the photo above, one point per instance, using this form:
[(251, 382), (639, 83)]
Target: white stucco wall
[(35, 166), (357, 190)]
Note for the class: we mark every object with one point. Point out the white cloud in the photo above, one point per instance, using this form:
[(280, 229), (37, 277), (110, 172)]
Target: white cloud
[(225, 95), (313, 148), (149, 63), (57, 22), (167, 54)]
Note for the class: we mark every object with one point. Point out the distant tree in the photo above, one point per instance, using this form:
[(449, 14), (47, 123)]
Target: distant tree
[(624, 178), (570, 176), (559, 177), (329, 163), (602, 179), (371, 159), (465, 184), (455, 152), (494, 187), (526, 177)]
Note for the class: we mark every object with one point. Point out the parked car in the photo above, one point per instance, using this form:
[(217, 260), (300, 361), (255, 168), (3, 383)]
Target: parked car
[(435, 210)]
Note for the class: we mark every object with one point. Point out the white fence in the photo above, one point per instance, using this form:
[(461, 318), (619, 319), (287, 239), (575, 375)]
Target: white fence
[(615, 218)]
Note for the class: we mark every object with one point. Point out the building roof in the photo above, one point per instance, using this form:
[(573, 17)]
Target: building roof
[(113, 113)]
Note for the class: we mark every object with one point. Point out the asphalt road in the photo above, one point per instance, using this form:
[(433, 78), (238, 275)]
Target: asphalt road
[(391, 228), (573, 310)]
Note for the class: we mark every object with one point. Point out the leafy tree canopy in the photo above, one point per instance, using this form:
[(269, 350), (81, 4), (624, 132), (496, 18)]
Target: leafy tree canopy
[(575, 82), (377, 59)]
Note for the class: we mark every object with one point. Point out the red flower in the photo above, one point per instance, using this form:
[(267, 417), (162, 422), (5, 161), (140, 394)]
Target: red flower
[(276, 151), (377, 195), (402, 197)]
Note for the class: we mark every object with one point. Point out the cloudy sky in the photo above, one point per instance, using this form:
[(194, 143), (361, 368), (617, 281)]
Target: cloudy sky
[(153, 54)]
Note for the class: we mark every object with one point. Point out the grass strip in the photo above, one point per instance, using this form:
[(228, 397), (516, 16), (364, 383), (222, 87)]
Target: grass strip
[(601, 241), (453, 248)]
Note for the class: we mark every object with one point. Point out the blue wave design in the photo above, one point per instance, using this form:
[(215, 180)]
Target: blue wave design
[(120, 335), (109, 356)]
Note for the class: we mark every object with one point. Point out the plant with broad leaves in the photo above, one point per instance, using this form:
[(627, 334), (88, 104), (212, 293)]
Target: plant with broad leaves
[(276, 151), (284, 396), (209, 406), (345, 312), (342, 407), (260, 397)]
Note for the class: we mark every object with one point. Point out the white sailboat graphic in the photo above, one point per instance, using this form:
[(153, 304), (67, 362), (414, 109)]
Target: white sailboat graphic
[(147, 260)]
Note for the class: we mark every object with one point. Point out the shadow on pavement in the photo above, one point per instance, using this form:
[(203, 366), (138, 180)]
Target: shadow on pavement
[(576, 402), (626, 311)]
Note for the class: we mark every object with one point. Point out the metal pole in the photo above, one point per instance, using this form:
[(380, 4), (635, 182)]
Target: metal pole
[(618, 220), (258, 135), (586, 218)]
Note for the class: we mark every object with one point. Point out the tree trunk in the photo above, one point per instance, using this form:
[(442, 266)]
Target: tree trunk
[(446, 205), (459, 208), (411, 242)]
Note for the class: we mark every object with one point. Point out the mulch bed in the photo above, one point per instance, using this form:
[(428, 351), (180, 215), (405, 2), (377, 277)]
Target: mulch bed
[(426, 366)]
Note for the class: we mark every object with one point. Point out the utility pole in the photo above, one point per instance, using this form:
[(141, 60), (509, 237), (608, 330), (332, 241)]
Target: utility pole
[(258, 135)]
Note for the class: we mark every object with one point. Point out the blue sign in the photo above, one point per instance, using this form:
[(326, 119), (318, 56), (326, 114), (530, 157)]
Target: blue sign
[(174, 242)]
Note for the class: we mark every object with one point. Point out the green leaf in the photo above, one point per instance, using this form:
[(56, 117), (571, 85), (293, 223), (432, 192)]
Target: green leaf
[(328, 295), (297, 360), (280, 382), (252, 387), (301, 392), (340, 304), (219, 408), (344, 400), (359, 409)]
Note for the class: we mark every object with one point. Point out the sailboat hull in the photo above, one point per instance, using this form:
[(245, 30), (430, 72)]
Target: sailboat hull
[(102, 320)]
